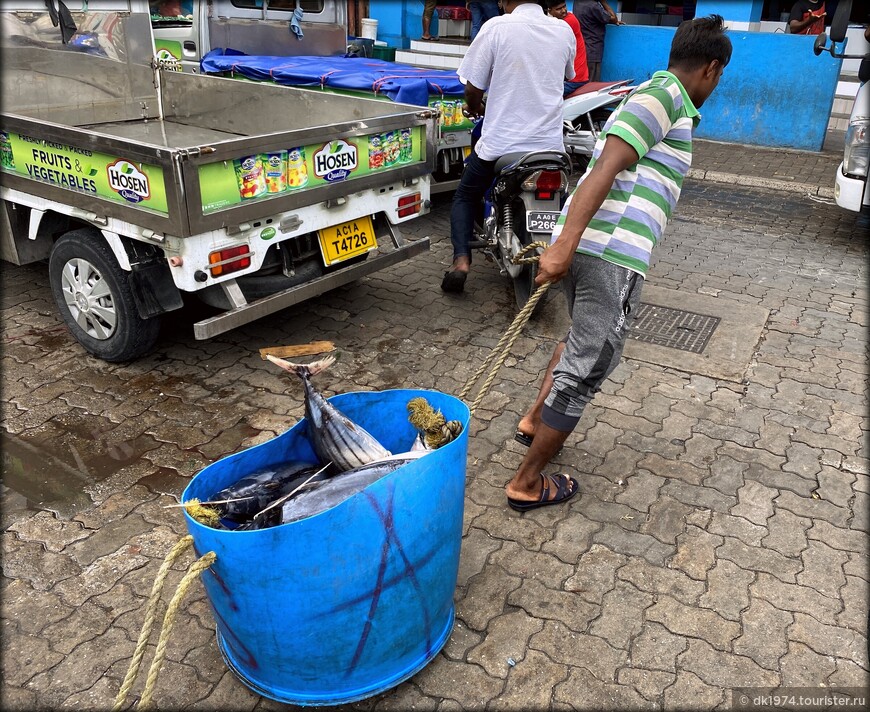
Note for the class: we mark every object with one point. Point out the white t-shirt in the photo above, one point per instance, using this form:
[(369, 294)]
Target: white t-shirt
[(521, 60)]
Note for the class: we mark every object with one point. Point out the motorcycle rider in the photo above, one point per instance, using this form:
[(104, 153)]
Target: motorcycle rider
[(521, 60)]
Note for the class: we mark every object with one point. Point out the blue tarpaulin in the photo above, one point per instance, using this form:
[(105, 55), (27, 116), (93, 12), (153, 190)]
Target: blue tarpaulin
[(400, 82)]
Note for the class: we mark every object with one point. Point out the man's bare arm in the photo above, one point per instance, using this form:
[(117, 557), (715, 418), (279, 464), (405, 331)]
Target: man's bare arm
[(801, 25), (587, 199), (474, 100), (613, 17)]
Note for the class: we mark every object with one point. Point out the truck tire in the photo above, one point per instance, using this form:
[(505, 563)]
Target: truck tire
[(94, 298)]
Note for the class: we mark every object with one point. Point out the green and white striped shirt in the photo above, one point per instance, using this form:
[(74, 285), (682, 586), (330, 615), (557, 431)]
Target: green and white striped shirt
[(657, 120)]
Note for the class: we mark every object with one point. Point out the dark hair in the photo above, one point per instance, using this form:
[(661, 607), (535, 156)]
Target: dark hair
[(554, 3), (698, 42)]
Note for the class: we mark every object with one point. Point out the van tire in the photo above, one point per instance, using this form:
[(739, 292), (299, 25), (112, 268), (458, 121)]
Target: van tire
[(93, 296)]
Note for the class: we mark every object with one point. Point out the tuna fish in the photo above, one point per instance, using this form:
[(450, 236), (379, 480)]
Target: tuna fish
[(254, 492), (326, 494), (335, 437)]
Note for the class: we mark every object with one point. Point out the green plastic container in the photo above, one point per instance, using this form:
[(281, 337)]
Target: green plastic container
[(388, 54)]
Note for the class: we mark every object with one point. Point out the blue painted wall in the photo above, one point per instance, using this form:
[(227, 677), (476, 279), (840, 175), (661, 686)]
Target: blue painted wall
[(735, 10), (775, 91), (400, 21)]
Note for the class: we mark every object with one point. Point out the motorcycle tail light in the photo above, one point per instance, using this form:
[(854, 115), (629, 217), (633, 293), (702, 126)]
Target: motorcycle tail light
[(546, 183)]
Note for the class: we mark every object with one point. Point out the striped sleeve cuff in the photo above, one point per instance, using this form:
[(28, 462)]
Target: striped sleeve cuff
[(627, 135)]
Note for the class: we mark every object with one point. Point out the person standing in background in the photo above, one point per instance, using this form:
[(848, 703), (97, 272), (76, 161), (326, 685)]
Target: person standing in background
[(481, 11), (807, 17), (593, 17), (428, 11), (559, 10)]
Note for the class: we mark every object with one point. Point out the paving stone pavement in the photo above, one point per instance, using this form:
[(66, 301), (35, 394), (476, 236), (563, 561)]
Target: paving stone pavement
[(786, 170), (719, 540)]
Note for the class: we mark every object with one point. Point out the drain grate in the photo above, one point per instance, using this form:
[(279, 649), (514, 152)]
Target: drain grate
[(674, 328)]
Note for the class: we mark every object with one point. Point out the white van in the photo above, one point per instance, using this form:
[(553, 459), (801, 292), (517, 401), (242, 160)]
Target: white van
[(850, 189), (850, 184)]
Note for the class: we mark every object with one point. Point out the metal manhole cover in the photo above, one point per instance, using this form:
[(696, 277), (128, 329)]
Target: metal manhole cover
[(674, 328)]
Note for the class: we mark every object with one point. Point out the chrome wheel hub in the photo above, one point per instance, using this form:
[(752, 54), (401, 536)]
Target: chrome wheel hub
[(89, 299)]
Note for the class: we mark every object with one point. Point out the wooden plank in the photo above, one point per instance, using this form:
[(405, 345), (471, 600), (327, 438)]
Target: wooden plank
[(315, 347)]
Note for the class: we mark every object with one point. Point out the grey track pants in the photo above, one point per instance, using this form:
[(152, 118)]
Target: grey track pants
[(601, 296)]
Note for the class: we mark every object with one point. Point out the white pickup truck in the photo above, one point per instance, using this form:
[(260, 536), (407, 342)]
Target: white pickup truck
[(140, 185)]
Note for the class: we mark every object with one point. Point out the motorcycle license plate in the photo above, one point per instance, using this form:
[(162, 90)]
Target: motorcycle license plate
[(541, 221), (341, 242)]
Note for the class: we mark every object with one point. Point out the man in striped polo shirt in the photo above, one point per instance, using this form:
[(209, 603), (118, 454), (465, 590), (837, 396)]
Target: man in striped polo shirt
[(602, 243)]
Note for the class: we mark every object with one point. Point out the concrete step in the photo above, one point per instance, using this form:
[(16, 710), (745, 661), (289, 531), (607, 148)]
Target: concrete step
[(842, 106), (455, 47), (848, 86), (432, 60)]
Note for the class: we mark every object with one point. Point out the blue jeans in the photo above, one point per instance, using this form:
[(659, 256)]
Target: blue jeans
[(477, 177), (482, 11), (572, 87)]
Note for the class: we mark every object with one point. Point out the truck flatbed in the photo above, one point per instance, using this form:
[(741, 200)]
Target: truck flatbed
[(162, 132)]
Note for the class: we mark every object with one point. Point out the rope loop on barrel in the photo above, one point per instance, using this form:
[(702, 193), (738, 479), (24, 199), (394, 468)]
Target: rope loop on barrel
[(194, 571), (500, 353)]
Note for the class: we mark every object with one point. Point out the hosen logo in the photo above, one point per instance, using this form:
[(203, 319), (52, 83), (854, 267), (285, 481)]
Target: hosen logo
[(167, 60), (128, 181), (335, 161)]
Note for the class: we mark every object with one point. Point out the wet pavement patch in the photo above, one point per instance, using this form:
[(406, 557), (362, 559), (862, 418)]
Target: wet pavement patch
[(40, 478), (722, 333), (54, 470)]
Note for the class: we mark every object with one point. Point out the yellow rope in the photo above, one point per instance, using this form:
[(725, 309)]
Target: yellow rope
[(436, 430), (193, 573), (500, 353), (150, 616)]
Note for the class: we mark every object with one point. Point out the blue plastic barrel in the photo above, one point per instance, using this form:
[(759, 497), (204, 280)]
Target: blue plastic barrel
[(354, 600)]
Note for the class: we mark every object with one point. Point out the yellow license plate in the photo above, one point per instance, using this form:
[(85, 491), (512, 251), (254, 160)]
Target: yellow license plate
[(350, 239), (466, 151)]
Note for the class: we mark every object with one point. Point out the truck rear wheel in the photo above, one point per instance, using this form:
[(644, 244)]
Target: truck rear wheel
[(94, 298)]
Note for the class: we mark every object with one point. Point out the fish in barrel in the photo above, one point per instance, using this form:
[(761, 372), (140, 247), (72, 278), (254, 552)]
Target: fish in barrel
[(328, 493), (335, 437), (319, 495), (350, 460), (254, 492)]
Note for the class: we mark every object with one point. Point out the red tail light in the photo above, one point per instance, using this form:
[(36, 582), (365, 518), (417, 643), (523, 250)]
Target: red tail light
[(548, 183), (409, 205), (549, 180), (223, 263)]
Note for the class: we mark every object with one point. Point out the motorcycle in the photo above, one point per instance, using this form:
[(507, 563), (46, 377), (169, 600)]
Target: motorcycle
[(584, 113), (522, 207), (530, 188)]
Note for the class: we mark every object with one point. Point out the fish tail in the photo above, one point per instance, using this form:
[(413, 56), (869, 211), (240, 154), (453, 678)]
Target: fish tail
[(303, 370)]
